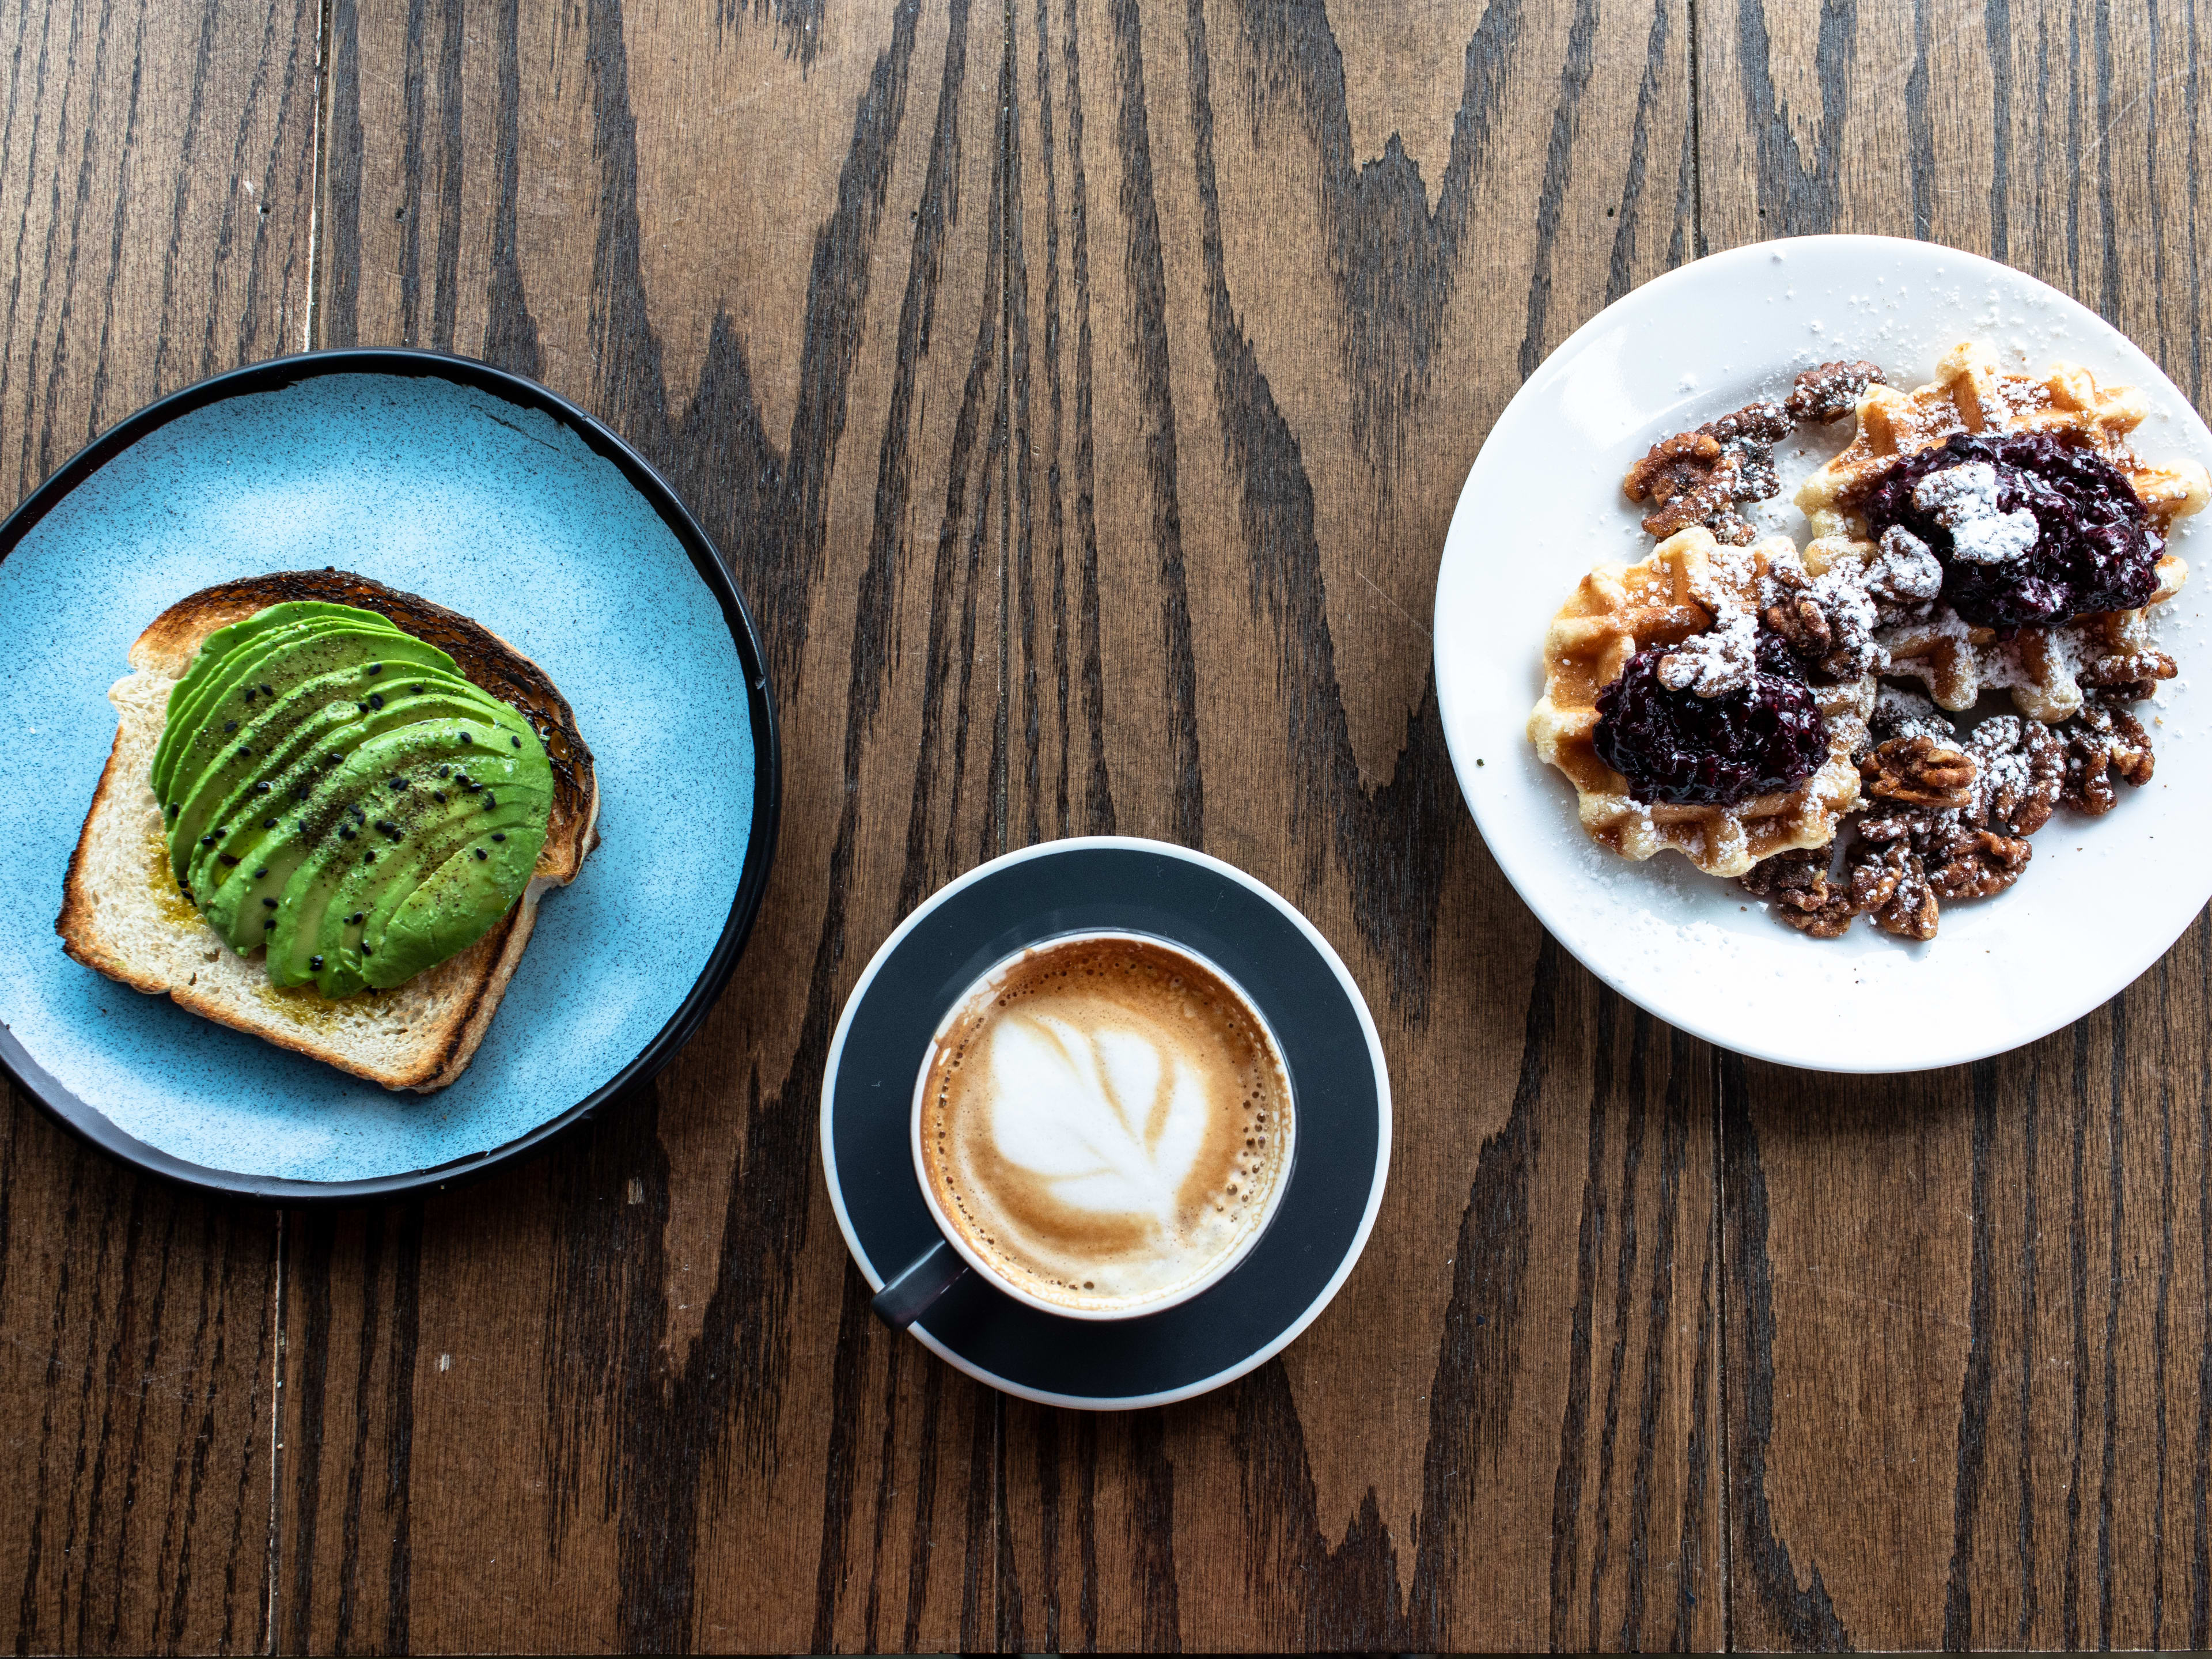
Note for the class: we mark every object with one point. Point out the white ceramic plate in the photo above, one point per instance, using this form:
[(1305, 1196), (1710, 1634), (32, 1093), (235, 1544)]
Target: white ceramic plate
[(2103, 898)]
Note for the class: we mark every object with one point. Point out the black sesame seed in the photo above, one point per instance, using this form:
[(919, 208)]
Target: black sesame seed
[(491, 801), (172, 809), (268, 823), (263, 787), (261, 871), (362, 706), (481, 854), (270, 903), (346, 832), (357, 918), (438, 795), (249, 694), (302, 792), (315, 963), (376, 668), (417, 690), (244, 753), (369, 858), (399, 783), (336, 757), (267, 692), (499, 837), (207, 841), (466, 738), (445, 771), (227, 857), (230, 726), (376, 700), (517, 742)]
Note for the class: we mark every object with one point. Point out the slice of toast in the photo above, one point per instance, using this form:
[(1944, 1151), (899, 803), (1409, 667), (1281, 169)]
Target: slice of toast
[(122, 914)]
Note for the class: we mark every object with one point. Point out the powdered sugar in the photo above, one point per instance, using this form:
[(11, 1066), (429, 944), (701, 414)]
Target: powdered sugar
[(1722, 658), (1904, 573), (1964, 501), (1899, 712)]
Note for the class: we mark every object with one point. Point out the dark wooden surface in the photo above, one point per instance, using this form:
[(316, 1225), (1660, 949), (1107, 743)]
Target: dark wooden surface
[(1080, 390)]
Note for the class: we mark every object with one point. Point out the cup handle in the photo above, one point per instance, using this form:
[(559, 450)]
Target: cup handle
[(906, 1298)]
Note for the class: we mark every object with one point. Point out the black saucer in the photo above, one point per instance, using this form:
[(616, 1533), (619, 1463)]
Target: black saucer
[(1339, 1082)]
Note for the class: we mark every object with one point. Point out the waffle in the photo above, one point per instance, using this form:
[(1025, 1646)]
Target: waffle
[(1620, 610), (2045, 668)]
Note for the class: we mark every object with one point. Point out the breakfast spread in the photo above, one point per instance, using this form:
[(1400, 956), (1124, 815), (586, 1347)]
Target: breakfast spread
[(1784, 716), (329, 812)]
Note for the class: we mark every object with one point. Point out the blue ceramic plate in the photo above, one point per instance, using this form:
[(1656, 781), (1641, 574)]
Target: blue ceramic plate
[(486, 494), (1338, 1078)]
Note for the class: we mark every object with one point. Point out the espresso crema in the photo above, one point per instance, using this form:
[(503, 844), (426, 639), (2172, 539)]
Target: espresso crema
[(1105, 1122)]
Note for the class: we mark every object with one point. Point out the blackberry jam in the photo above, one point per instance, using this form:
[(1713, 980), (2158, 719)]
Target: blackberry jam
[(1679, 747), (2094, 548)]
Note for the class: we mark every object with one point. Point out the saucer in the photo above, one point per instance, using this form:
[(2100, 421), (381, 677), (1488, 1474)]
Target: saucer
[(1338, 1078)]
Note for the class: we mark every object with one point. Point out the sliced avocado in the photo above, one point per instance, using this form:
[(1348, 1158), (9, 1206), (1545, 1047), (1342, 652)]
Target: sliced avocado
[(283, 660), (418, 828), (513, 811), (305, 801), (219, 645), (303, 721), (233, 674), (455, 906), (363, 823), (338, 845)]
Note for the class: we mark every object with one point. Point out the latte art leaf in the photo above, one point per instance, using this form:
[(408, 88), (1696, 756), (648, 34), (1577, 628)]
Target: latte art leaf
[(1105, 1119)]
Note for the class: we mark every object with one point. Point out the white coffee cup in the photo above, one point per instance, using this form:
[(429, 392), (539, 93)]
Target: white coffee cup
[(1245, 1220)]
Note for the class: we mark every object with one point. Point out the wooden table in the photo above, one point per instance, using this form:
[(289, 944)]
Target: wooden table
[(1079, 390)]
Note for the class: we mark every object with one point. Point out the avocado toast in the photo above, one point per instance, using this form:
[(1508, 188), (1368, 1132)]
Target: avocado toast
[(361, 797)]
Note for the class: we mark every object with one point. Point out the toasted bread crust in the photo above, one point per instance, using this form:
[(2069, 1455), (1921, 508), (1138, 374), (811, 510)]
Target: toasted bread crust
[(120, 914)]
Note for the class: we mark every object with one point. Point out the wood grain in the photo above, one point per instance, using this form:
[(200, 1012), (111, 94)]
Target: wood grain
[(1969, 1355), (725, 1436), (156, 186), (1080, 391)]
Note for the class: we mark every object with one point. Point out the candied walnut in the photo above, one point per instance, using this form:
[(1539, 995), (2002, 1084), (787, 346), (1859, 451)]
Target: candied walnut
[(2102, 741), (1901, 712), (1796, 883), (1689, 480), (1908, 860), (2128, 691), (1698, 477), (1750, 433), (2127, 669), (1827, 619), (1976, 864), (1889, 882), (1918, 771), (2022, 770), (1904, 577), (1830, 391)]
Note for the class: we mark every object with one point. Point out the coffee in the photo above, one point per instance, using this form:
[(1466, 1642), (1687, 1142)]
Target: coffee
[(1105, 1122)]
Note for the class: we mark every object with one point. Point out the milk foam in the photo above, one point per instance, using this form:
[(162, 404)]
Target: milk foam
[(1106, 1123)]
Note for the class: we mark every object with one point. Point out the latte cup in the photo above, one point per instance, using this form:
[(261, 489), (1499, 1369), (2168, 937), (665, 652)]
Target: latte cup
[(1103, 1127)]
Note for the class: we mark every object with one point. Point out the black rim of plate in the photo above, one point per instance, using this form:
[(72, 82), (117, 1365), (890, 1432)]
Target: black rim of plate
[(86, 1120), (1340, 1082)]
